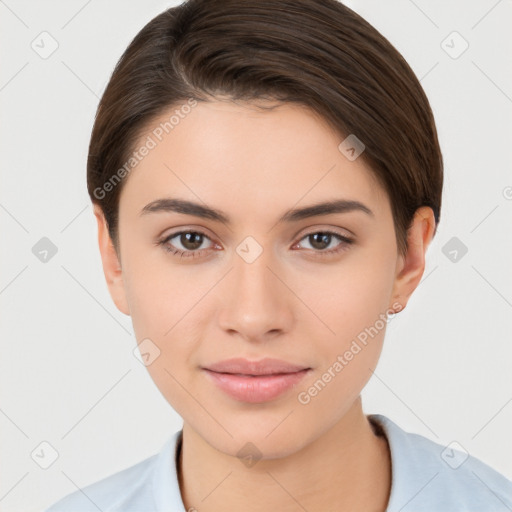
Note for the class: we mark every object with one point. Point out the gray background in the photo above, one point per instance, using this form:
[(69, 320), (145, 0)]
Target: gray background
[(68, 374)]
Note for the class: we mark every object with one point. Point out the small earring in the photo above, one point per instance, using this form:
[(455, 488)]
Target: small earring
[(397, 306)]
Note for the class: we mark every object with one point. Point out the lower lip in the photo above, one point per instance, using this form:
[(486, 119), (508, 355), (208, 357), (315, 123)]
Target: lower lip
[(256, 389)]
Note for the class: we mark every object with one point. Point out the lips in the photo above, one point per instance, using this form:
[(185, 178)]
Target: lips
[(255, 381), (265, 366)]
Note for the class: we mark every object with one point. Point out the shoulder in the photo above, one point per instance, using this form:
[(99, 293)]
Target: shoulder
[(128, 485), (129, 490), (429, 476)]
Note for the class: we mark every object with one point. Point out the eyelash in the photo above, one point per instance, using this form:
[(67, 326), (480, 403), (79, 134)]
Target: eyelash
[(193, 254)]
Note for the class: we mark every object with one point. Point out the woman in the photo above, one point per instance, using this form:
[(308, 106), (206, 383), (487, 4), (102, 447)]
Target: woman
[(267, 178)]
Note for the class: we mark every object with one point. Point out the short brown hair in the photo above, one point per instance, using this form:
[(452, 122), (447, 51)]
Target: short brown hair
[(317, 53)]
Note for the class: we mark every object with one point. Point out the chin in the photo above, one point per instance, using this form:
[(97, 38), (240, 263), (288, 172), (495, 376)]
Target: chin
[(267, 435)]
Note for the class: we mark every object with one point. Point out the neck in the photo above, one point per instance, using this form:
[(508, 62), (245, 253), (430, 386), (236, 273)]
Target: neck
[(346, 468)]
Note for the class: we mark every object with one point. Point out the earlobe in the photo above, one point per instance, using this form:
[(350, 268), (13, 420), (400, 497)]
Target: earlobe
[(111, 264), (410, 267)]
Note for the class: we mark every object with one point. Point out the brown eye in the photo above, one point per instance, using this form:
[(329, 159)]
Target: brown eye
[(185, 244), (191, 240), (320, 240), (324, 242)]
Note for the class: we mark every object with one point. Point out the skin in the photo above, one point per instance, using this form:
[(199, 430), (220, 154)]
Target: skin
[(291, 303)]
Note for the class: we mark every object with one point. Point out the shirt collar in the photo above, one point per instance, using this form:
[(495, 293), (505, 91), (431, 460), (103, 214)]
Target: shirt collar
[(406, 458), (166, 490), (165, 482)]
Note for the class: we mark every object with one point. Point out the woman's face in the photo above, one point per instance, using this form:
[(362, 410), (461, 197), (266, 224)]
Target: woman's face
[(261, 282)]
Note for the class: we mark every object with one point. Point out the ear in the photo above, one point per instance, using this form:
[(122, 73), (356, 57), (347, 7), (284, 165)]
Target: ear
[(111, 264), (410, 267)]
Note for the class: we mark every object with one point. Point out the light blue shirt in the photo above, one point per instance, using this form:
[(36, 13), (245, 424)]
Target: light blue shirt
[(425, 477)]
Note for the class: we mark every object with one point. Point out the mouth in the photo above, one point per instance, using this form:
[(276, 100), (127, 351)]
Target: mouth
[(267, 366), (255, 381)]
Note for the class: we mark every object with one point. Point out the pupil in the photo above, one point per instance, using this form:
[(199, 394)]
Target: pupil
[(325, 238), (191, 240)]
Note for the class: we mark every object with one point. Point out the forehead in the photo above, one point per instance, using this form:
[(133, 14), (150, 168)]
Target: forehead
[(246, 160)]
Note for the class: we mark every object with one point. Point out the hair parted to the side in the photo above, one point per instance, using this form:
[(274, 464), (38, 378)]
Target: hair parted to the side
[(317, 53)]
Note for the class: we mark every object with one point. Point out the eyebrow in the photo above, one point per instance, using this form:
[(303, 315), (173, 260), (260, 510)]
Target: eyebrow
[(198, 210)]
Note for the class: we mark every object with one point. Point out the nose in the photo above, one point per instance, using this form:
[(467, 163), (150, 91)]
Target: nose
[(259, 305)]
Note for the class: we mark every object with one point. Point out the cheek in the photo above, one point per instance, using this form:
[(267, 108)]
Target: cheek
[(332, 390), (356, 310), (352, 301), (159, 295), (165, 307), (160, 305), (350, 297)]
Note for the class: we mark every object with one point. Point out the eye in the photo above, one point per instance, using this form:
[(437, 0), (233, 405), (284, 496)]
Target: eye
[(190, 241), (321, 240)]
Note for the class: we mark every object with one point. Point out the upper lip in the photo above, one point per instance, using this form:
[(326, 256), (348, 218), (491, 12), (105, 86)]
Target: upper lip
[(267, 366)]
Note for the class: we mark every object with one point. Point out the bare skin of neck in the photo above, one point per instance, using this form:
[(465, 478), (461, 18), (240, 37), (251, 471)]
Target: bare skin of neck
[(348, 468)]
